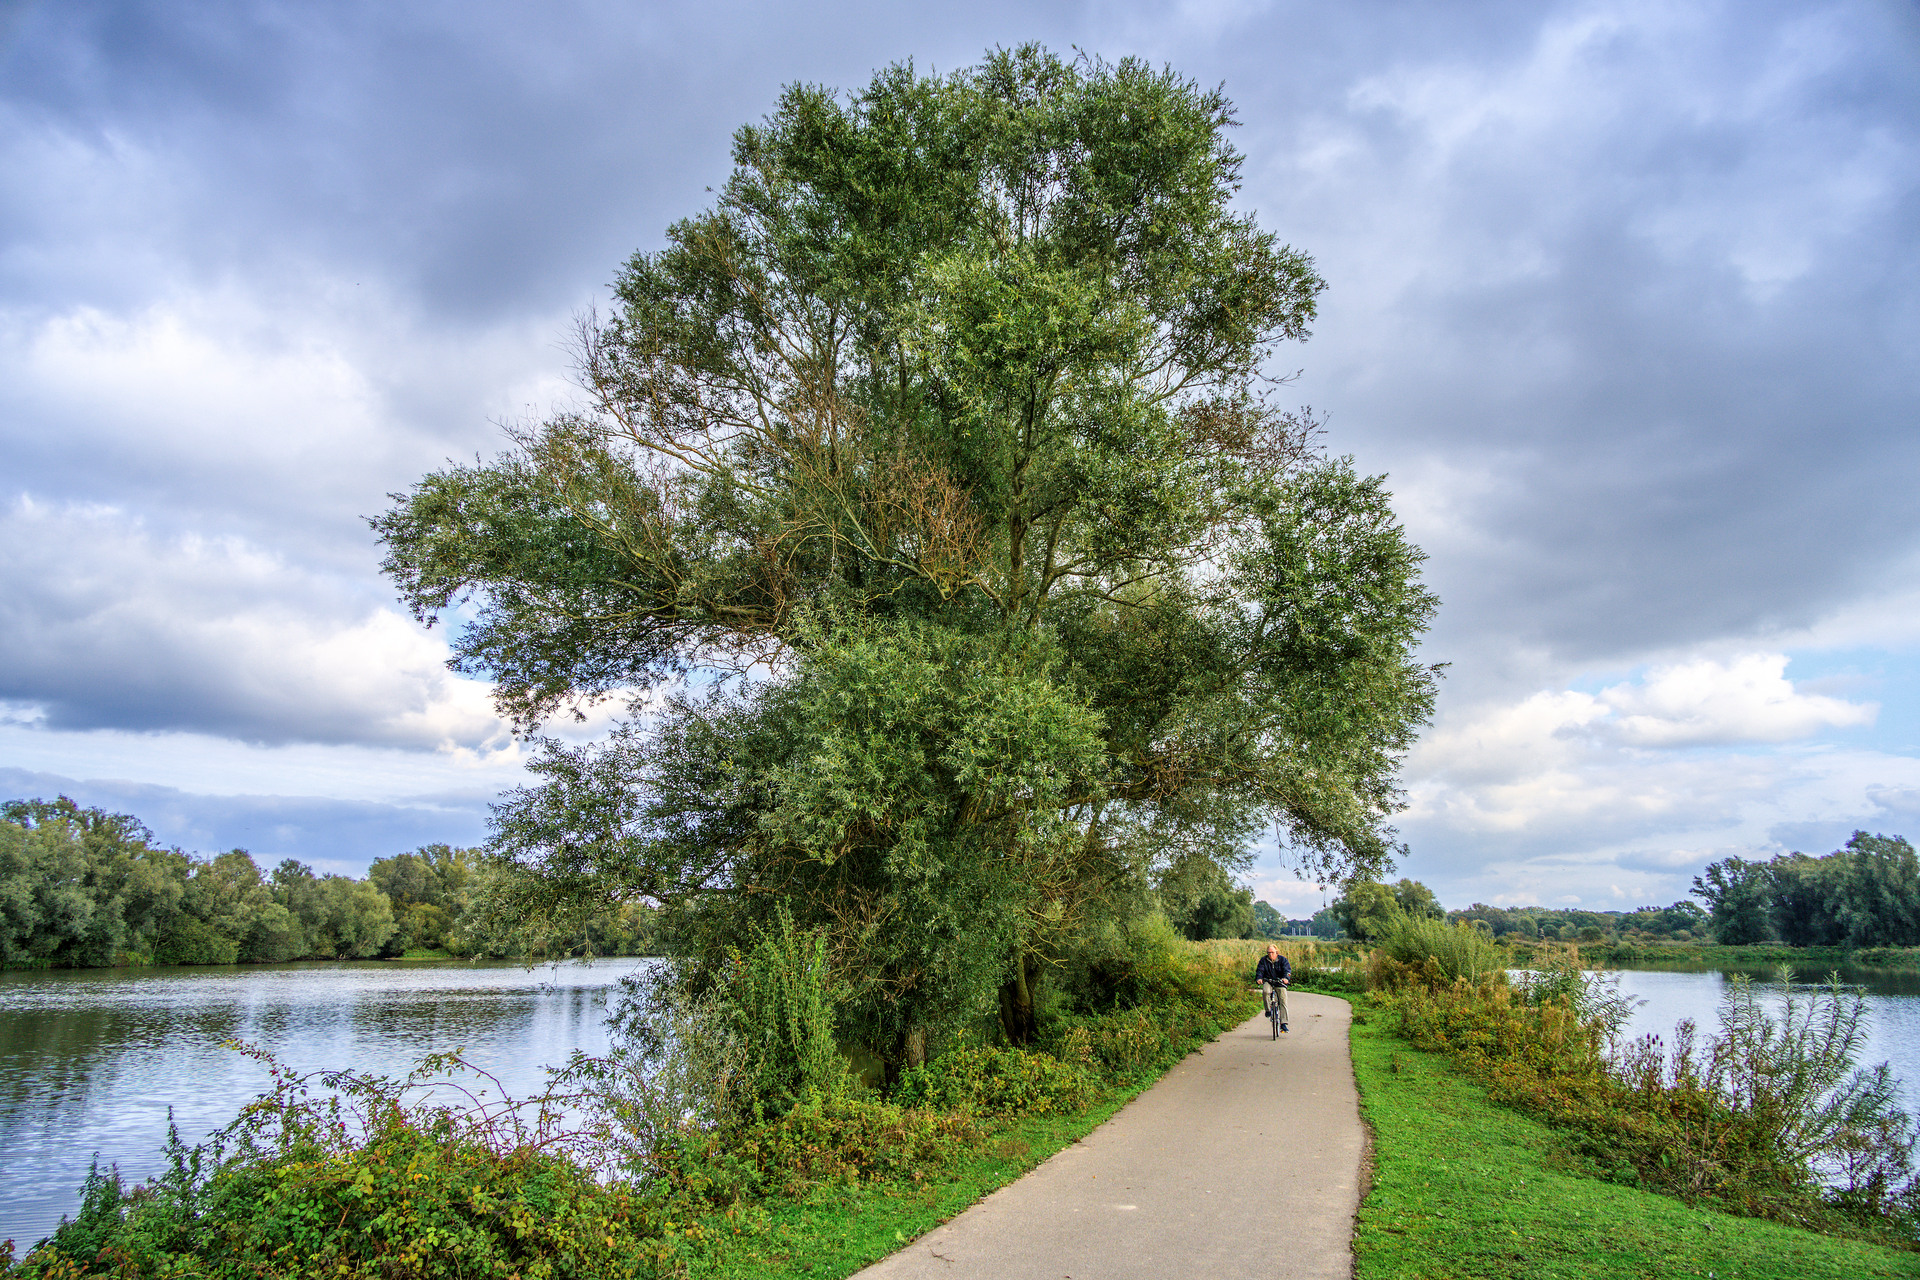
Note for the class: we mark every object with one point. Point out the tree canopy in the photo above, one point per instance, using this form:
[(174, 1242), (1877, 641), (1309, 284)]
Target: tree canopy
[(1864, 895), (930, 504)]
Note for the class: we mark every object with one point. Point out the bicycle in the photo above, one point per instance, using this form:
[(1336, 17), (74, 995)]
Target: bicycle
[(1269, 992)]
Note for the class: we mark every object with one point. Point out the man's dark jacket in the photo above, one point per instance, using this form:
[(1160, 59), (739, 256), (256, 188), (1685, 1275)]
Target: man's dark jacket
[(1274, 969)]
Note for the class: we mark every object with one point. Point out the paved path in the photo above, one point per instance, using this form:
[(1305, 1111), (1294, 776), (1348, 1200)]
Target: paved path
[(1243, 1161)]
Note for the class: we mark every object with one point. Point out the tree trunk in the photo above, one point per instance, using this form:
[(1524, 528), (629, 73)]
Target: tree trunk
[(916, 1047), (1016, 1005)]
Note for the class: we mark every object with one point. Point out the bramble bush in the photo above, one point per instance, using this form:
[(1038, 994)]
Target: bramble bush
[(840, 1139), (994, 1080), (359, 1184)]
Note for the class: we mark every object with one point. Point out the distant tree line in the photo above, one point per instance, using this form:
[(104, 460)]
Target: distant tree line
[(84, 888), (1368, 910), (1681, 922), (1864, 895)]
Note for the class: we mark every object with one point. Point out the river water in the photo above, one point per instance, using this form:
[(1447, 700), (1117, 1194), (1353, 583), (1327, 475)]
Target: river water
[(1674, 992), (91, 1061)]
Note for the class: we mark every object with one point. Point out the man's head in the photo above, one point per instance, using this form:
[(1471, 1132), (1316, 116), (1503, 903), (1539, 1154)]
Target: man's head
[(1273, 952)]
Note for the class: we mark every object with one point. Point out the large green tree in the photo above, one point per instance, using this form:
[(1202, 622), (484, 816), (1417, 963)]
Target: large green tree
[(930, 503)]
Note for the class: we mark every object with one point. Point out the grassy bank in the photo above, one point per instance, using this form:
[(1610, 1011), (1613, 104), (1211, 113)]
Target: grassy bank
[(1463, 1188)]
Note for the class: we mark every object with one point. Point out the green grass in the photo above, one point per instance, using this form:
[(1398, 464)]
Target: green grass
[(835, 1231), (1464, 1188)]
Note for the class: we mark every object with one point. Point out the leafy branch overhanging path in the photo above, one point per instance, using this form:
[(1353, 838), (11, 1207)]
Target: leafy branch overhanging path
[(1243, 1161)]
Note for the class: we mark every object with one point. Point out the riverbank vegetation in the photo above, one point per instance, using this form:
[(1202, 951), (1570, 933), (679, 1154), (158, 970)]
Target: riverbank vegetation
[(83, 888), (1465, 1188), (806, 1171), (1866, 895), (1769, 1116)]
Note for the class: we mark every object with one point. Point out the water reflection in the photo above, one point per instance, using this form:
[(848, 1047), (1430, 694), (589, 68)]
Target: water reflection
[(91, 1060)]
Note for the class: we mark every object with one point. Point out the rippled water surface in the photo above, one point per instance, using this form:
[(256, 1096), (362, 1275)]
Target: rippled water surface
[(1893, 1007), (92, 1060)]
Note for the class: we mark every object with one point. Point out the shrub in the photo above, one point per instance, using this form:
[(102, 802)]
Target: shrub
[(996, 1081), (1784, 1094), (846, 1139), (1460, 950), (751, 1045), (1125, 964), (1120, 1045), (778, 999), (294, 1190)]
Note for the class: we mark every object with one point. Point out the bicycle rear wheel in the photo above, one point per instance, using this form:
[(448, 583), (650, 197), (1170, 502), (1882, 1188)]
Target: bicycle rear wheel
[(1273, 1016)]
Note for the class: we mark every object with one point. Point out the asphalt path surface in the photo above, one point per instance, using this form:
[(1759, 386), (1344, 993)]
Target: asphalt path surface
[(1243, 1161)]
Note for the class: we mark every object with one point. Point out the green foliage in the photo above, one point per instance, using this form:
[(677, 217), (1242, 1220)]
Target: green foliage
[(841, 1139), (81, 887), (1647, 925), (1786, 1093), (429, 891), (779, 999), (360, 1182), (1865, 895), (1416, 901), (1124, 964), (1202, 902), (86, 888), (1143, 997), (899, 793), (1457, 950), (1767, 1119), (996, 1081), (948, 414), (1371, 911), (1367, 910)]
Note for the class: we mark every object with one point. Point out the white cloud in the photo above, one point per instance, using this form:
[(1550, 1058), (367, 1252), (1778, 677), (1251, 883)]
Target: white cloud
[(1564, 759), (105, 624), (1709, 702), (300, 412), (1617, 797)]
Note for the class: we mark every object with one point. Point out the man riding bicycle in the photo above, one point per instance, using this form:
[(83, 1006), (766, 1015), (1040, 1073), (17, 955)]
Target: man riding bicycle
[(1274, 974)]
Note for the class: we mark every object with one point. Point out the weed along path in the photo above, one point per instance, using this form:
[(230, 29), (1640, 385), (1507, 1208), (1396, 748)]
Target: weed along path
[(1243, 1161)]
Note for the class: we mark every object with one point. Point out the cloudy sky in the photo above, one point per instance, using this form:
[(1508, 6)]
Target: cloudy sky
[(1623, 299)]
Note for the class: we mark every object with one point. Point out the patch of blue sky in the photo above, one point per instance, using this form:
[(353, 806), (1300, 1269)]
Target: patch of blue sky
[(1890, 678)]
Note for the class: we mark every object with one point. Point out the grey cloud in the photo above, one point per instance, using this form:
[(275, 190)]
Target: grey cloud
[(1678, 453), (1665, 443), (340, 836), (494, 157)]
